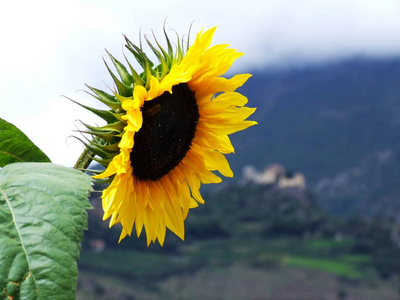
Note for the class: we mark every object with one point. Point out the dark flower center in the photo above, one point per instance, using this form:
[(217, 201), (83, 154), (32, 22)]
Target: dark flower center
[(169, 126)]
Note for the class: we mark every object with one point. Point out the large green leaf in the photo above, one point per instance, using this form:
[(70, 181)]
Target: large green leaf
[(42, 218), (15, 146)]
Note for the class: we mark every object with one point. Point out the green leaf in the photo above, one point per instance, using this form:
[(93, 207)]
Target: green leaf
[(15, 146), (42, 218)]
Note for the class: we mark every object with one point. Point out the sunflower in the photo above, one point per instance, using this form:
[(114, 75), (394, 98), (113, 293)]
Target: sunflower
[(166, 133)]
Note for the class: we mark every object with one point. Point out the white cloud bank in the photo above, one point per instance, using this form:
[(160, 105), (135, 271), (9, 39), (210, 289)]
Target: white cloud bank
[(51, 48)]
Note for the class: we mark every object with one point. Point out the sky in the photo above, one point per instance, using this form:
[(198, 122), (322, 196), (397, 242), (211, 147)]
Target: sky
[(51, 49)]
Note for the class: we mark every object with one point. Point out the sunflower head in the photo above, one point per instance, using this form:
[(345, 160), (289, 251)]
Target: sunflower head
[(166, 132)]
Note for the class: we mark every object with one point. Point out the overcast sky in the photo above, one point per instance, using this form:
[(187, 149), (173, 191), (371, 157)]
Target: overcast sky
[(52, 48)]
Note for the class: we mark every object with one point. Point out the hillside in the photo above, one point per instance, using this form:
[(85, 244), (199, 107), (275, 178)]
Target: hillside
[(248, 241), (339, 124)]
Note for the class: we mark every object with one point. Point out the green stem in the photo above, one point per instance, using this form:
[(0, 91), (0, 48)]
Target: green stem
[(84, 160)]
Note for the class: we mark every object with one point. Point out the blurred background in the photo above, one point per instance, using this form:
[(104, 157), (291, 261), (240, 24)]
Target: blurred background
[(313, 211)]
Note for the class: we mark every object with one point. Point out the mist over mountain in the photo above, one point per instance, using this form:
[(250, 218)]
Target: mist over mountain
[(338, 124)]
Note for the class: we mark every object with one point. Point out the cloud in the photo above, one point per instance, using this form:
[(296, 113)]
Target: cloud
[(274, 32), (319, 30), (51, 48)]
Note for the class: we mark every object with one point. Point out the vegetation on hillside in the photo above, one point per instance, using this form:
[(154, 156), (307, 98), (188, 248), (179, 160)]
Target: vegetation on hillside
[(255, 226), (331, 122)]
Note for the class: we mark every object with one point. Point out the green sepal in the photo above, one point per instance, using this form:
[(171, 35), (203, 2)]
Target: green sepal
[(118, 116), (114, 127), (179, 53), (112, 148), (140, 56), (162, 70), (168, 57), (109, 150), (138, 80), (106, 115), (123, 89), (123, 73), (149, 71), (169, 45), (108, 136), (157, 53), (95, 149), (106, 99)]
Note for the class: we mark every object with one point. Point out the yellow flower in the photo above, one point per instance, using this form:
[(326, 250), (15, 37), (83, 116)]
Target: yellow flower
[(167, 131)]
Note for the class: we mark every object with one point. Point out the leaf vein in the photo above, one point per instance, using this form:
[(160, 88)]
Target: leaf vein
[(20, 237), (7, 153)]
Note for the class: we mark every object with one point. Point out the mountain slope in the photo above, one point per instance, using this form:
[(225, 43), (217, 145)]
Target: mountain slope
[(326, 120)]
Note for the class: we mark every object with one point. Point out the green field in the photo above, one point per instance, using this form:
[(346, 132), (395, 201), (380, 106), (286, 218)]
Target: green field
[(258, 269), (247, 242)]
